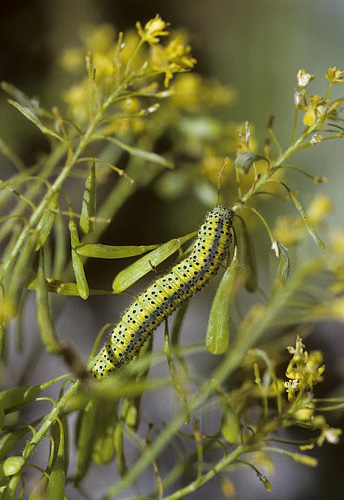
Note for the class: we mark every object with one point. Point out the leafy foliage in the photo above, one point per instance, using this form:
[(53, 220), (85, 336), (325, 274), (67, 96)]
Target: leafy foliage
[(120, 110)]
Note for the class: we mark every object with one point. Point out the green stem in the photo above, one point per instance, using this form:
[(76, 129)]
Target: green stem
[(221, 465), (279, 162), (46, 200), (50, 418), (295, 125)]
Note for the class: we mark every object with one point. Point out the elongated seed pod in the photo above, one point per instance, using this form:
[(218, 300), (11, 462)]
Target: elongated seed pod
[(167, 293)]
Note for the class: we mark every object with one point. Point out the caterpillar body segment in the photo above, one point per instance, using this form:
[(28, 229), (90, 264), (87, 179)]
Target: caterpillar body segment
[(161, 298)]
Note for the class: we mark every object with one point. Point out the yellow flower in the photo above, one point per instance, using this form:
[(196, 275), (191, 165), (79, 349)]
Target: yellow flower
[(153, 30), (304, 370), (303, 78), (174, 58), (335, 75), (316, 107)]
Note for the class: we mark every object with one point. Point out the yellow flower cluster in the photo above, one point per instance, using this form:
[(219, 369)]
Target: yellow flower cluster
[(317, 106), (154, 29), (304, 370), (172, 58)]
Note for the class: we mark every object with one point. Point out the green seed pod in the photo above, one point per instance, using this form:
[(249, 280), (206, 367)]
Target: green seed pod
[(46, 222), (77, 263), (217, 336), (100, 251), (10, 440), (249, 260), (45, 322), (88, 209), (230, 427), (57, 436), (39, 491), (22, 395), (104, 447), (10, 492), (57, 479), (21, 272), (141, 267), (13, 465), (85, 435), (133, 414)]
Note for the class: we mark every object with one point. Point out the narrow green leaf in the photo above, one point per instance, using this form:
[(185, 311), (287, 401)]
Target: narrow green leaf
[(45, 322), (28, 113), (46, 222), (88, 209), (248, 259), (140, 153), (217, 336), (100, 251), (141, 267), (283, 268), (22, 98), (77, 263)]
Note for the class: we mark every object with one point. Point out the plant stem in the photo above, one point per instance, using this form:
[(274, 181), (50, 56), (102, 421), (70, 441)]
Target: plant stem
[(222, 464), (50, 418), (281, 159)]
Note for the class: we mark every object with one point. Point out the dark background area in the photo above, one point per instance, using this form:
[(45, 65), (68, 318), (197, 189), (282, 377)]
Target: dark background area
[(256, 47)]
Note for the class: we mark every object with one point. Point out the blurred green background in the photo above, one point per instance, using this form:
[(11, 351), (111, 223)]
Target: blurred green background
[(255, 46)]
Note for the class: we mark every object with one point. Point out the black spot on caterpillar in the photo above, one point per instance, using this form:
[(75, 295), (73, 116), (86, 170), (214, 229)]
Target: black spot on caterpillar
[(167, 293)]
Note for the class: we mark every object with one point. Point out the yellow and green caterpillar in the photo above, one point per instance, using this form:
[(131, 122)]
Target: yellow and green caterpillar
[(167, 293)]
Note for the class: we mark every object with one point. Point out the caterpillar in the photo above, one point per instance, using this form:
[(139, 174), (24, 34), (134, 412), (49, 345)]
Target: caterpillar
[(162, 297)]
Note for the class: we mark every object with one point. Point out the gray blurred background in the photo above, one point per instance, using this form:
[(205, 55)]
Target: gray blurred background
[(255, 46)]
